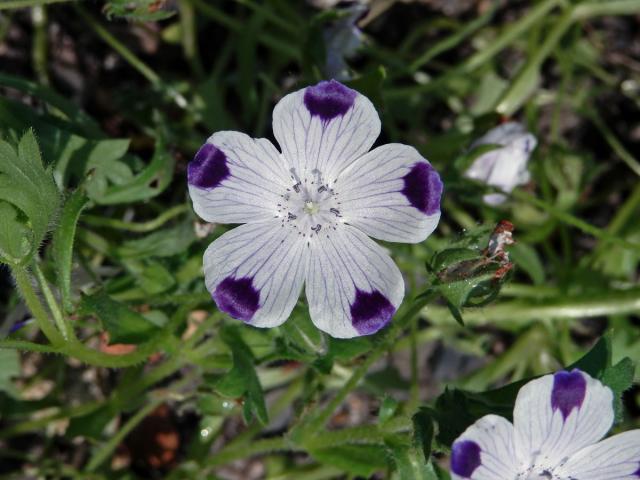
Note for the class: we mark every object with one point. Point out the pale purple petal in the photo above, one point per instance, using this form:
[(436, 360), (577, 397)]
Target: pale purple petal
[(616, 458), (557, 415), (234, 178), (392, 193), (506, 166), (255, 272), (353, 287), (485, 451), (324, 128)]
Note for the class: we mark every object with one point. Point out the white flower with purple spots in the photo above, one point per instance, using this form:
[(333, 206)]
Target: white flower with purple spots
[(504, 167), (308, 212), (558, 421)]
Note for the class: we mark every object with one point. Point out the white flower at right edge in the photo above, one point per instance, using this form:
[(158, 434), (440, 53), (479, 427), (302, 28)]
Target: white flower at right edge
[(504, 167), (558, 421)]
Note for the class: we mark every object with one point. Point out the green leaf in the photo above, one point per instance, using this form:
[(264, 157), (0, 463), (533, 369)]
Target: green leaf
[(410, 463), (123, 324), (242, 379), (596, 360), (388, 409), (423, 431), (619, 378), (149, 183), (62, 245), (61, 104), (29, 188), (361, 460), (14, 235), (162, 243), (9, 367), (92, 424), (527, 259)]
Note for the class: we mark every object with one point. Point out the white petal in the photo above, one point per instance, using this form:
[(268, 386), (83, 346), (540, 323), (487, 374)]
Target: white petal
[(391, 193), (559, 414), (501, 135), (353, 287), (324, 128), (485, 451), (504, 167), (255, 272), (616, 458), (237, 179)]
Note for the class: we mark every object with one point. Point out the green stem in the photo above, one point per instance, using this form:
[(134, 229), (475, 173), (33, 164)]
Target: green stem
[(131, 58), (107, 449), (527, 78), (258, 447), (414, 393), (517, 313), (453, 40), (626, 212), (315, 422), (572, 220), (610, 7), (237, 26), (9, 4), (510, 34), (190, 37), (141, 227), (23, 282), (268, 13), (61, 321), (39, 48), (614, 143)]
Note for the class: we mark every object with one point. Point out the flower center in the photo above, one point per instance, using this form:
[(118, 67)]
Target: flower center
[(310, 206)]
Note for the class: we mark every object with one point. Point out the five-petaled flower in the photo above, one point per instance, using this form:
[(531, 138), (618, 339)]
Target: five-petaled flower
[(558, 421), (308, 212), (504, 167)]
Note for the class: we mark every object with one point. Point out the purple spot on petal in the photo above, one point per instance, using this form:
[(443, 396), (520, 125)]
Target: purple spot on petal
[(208, 168), (237, 297), (465, 458), (569, 390), (370, 312), (328, 100), (423, 188), (637, 472)]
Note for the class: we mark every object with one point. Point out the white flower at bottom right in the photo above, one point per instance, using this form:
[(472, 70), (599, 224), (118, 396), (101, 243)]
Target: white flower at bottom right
[(558, 421)]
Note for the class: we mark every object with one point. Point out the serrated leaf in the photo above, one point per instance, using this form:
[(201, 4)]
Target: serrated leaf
[(29, 188), (619, 378), (123, 324), (423, 431), (14, 235)]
